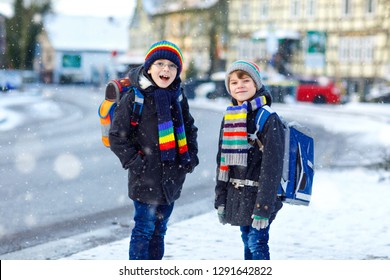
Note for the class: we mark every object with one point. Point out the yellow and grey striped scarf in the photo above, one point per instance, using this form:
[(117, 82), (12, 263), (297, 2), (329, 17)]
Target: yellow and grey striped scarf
[(234, 150)]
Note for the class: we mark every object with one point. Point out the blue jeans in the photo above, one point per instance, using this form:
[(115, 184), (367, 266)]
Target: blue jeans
[(147, 236), (255, 243)]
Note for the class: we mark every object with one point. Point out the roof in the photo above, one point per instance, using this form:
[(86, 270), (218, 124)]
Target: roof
[(87, 33), (154, 7), (279, 34)]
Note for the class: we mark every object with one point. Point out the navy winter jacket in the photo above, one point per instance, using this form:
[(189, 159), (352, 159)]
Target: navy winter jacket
[(149, 179), (262, 167)]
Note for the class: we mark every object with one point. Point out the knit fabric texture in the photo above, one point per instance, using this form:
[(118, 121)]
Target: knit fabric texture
[(171, 132), (235, 144), (251, 68), (164, 50)]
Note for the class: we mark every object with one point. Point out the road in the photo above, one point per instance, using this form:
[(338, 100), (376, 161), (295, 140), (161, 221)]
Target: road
[(58, 180)]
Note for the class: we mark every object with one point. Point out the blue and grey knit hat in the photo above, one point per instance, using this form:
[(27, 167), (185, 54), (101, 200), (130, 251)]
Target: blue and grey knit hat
[(251, 68)]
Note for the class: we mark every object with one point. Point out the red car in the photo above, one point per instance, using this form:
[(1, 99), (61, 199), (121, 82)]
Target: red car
[(318, 91)]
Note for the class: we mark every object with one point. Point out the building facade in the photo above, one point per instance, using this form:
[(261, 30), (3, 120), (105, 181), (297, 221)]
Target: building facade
[(192, 24), (347, 40), (80, 49)]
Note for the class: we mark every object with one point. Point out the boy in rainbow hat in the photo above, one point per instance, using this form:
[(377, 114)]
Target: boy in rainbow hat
[(160, 152), (250, 163)]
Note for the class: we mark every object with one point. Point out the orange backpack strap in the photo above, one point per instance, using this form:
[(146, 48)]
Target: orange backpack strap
[(106, 111), (115, 90)]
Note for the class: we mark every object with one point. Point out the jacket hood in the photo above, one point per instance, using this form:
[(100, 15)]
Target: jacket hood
[(135, 75)]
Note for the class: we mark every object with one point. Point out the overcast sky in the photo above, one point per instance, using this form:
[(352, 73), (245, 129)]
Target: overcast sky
[(93, 7), (83, 7)]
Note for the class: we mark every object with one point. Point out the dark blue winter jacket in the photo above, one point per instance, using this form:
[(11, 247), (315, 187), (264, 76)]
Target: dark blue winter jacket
[(263, 167), (149, 180)]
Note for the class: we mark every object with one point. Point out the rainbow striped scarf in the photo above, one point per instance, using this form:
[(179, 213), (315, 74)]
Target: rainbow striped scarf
[(171, 132), (234, 150)]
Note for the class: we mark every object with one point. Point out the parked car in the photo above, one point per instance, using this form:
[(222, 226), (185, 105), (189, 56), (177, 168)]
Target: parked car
[(379, 93), (320, 91), (210, 88), (280, 87), (16, 79), (10, 79), (191, 86)]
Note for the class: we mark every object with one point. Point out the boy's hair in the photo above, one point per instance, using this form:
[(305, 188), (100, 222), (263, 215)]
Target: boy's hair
[(164, 50), (240, 74), (251, 69)]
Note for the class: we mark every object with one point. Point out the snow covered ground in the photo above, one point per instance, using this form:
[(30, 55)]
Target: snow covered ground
[(348, 218)]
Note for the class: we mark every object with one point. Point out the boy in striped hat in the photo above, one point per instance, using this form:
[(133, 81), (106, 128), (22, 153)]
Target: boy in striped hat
[(249, 163), (160, 151)]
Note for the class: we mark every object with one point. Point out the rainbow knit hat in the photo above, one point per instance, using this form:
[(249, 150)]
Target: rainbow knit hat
[(164, 50), (251, 68)]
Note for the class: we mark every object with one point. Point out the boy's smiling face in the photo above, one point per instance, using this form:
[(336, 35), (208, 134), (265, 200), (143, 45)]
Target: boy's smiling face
[(163, 72), (241, 88)]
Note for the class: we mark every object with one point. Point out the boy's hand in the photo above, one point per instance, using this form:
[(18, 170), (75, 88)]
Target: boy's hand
[(221, 214), (189, 167), (259, 222)]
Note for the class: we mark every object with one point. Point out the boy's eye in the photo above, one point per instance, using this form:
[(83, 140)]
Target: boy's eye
[(171, 66)]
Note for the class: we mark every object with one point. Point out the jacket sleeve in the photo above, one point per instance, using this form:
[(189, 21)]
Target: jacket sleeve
[(271, 170), (121, 135), (191, 132), (221, 186)]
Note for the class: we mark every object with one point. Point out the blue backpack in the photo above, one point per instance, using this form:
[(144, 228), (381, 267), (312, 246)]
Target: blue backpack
[(298, 164)]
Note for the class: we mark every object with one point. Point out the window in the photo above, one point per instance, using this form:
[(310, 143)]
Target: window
[(295, 8), (343, 49), (367, 51), (311, 8), (245, 11), (245, 48), (71, 61), (251, 49), (356, 49), (264, 8), (370, 7), (346, 7)]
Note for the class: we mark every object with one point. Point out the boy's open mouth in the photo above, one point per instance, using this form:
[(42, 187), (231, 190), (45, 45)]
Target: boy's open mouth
[(164, 77)]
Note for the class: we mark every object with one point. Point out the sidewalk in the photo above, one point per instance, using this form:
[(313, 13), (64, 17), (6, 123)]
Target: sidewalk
[(185, 240), (346, 220)]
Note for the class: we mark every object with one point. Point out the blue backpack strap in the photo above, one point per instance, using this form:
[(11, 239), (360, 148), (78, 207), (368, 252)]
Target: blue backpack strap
[(137, 107), (262, 116)]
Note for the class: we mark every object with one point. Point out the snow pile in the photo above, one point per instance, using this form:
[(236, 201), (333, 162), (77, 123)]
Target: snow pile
[(345, 220)]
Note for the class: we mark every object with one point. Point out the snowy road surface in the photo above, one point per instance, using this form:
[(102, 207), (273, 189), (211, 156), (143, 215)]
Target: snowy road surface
[(346, 219)]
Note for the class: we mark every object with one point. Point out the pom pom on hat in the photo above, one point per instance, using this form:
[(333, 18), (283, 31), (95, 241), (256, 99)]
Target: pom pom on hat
[(164, 50), (251, 68)]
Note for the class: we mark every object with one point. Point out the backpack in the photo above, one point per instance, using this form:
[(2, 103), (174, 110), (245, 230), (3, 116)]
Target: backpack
[(298, 163), (115, 90)]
